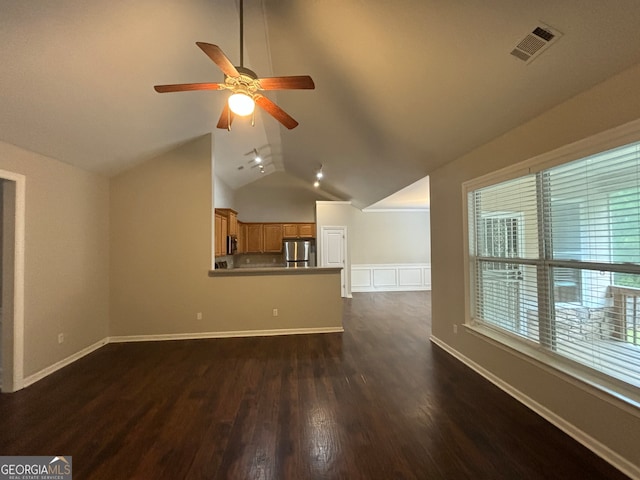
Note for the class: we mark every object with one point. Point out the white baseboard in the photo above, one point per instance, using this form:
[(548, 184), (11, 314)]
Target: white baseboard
[(405, 277), (31, 379), (581, 437), (231, 334)]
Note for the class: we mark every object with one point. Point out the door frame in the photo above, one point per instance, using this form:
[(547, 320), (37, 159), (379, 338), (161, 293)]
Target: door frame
[(345, 277), (13, 378)]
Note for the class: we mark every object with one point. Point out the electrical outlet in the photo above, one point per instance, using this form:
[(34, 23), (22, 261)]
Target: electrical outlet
[(199, 316), (455, 328), (60, 337), (275, 312)]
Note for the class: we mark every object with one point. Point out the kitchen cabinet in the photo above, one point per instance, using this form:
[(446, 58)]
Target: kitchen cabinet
[(255, 240), (221, 228), (223, 237), (272, 237), (263, 237), (233, 224), (216, 230), (232, 220), (267, 237), (307, 230), (226, 223), (299, 230), (242, 237)]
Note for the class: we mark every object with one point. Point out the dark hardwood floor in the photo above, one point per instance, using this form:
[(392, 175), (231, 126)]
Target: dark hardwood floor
[(377, 402)]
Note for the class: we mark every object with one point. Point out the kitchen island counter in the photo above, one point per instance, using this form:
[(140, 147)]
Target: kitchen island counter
[(282, 270)]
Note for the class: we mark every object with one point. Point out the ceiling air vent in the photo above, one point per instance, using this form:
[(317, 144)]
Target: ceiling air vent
[(531, 46)]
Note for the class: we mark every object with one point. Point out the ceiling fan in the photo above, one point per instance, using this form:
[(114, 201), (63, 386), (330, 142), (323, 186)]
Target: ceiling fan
[(245, 86)]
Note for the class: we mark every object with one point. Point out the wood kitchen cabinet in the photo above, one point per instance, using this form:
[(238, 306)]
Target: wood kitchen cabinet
[(299, 230), (233, 224), (263, 237), (267, 237), (307, 230), (232, 220), (255, 240), (220, 232), (226, 223), (242, 237), (272, 237)]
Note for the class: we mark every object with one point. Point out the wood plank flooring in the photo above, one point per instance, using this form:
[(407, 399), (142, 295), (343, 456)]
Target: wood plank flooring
[(377, 402)]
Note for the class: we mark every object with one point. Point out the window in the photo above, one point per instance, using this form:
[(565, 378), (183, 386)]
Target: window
[(554, 260)]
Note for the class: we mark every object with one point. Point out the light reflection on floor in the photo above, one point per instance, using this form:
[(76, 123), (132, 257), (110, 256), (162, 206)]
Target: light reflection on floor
[(323, 441)]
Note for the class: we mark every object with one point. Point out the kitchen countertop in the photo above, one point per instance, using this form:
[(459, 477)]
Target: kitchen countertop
[(282, 270)]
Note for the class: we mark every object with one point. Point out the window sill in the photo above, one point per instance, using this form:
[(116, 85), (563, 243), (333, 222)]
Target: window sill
[(612, 391)]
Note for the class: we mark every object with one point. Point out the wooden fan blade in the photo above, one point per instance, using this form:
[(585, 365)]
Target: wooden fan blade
[(226, 117), (219, 58), (287, 83), (275, 111), (187, 87)]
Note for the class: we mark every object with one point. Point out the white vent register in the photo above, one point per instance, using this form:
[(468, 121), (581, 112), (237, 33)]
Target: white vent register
[(536, 42)]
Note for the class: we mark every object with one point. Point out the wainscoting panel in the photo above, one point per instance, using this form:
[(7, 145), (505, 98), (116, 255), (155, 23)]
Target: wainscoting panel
[(390, 278), (385, 277)]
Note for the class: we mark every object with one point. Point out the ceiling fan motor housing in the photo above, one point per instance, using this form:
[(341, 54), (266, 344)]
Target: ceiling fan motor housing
[(246, 83), (247, 72)]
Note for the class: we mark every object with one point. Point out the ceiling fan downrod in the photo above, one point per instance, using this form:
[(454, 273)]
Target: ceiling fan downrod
[(242, 33)]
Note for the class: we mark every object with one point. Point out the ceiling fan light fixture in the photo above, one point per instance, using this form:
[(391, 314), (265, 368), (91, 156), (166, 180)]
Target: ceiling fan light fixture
[(241, 104), (244, 85)]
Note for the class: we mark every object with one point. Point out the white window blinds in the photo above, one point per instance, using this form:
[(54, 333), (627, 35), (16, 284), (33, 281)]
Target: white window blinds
[(555, 258)]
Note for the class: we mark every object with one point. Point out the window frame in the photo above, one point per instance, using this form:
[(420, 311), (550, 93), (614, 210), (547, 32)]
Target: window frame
[(606, 387)]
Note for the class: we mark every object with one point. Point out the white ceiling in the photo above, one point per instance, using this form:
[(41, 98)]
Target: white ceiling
[(402, 86), (412, 197)]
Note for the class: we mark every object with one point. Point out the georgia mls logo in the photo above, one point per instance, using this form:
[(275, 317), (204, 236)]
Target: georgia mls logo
[(62, 466), (36, 468)]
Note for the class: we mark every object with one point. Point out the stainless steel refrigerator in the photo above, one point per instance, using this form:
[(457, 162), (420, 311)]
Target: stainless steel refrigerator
[(299, 253)]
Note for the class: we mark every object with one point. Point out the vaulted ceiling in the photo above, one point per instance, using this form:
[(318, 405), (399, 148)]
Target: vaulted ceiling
[(402, 86)]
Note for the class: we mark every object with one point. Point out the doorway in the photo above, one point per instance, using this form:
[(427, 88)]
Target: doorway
[(12, 239), (333, 253)]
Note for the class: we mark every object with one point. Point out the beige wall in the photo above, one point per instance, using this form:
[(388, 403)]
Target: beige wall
[(161, 253), (278, 197), (224, 195), (334, 214), (610, 104), (66, 256), (374, 237), (390, 237)]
